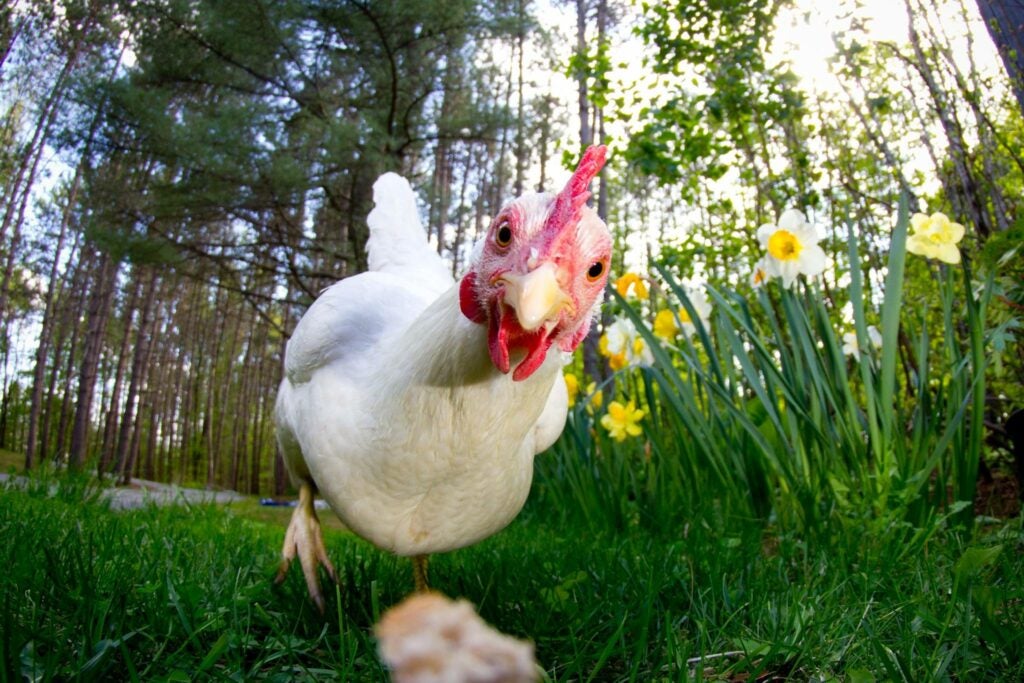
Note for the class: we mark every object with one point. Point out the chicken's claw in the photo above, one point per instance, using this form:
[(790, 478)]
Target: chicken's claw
[(305, 539)]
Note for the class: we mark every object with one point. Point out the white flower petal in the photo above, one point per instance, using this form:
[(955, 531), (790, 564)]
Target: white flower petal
[(812, 260), (788, 270), (765, 232), (792, 219), (874, 336), (850, 347)]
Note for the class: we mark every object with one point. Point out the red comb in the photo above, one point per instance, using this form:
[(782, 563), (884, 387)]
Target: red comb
[(575, 193)]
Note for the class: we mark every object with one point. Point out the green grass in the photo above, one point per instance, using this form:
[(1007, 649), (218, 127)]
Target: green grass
[(276, 517), (186, 593)]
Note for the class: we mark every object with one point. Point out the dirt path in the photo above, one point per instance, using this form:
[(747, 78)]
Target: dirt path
[(141, 492)]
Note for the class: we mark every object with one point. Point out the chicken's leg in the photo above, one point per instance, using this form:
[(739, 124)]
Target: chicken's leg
[(419, 573), (305, 539)]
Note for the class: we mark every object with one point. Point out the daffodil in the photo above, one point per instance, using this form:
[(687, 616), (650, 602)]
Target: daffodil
[(572, 387), (623, 346), (852, 348), (668, 323), (701, 306), (792, 247), (596, 397), (665, 325), (634, 282), (935, 236), (622, 420), (760, 273)]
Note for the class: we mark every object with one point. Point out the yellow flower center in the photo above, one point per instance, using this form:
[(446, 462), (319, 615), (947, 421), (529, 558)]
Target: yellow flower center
[(784, 245), (941, 234)]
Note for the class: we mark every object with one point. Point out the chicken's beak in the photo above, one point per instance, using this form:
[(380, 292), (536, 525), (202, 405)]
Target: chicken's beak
[(536, 296)]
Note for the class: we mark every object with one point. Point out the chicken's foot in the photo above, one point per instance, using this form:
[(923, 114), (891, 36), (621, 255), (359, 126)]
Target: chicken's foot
[(305, 539)]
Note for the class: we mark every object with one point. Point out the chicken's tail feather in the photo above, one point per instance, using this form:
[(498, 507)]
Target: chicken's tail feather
[(397, 241)]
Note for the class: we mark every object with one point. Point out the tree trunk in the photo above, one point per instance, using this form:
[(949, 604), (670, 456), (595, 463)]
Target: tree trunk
[(522, 155), (69, 325), (583, 103), (108, 452), (1004, 20), (954, 134), (122, 457), (97, 314), (47, 329)]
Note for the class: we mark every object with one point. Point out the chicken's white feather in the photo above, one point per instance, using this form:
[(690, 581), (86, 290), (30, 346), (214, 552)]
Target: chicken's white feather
[(397, 242)]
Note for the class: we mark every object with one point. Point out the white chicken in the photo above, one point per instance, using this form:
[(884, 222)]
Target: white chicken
[(414, 405)]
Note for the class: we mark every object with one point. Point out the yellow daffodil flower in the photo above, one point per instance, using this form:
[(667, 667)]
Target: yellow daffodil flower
[(596, 397), (628, 281), (572, 387), (622, 420), (792, 247), (935, 236), (665, 326)]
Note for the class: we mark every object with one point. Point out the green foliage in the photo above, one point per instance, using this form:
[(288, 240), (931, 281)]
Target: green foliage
[(725, 106), (762, 417)]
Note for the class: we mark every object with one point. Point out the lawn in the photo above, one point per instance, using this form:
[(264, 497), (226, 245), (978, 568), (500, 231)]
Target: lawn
[(186, 593)]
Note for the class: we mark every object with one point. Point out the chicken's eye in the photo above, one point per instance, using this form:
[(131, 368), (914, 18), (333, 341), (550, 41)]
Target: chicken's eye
[(503, 237), (595, 271)]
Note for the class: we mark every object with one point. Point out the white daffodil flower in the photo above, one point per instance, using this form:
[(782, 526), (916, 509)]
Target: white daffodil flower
[(792, 247), (852, 348), (623, 345)]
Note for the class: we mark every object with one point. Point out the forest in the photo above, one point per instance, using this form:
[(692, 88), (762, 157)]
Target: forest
[(180, 180)]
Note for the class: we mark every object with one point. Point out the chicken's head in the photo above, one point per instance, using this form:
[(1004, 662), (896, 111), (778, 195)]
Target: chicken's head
[(540, 272)]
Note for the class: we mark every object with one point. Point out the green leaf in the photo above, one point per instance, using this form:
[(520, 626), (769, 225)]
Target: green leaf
[(974, 560), (215, 652), (859, 676)]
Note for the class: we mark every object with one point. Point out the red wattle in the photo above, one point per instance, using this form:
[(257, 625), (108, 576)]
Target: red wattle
[(505, 335), (468, 304), (535, 355), (497, 343)]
